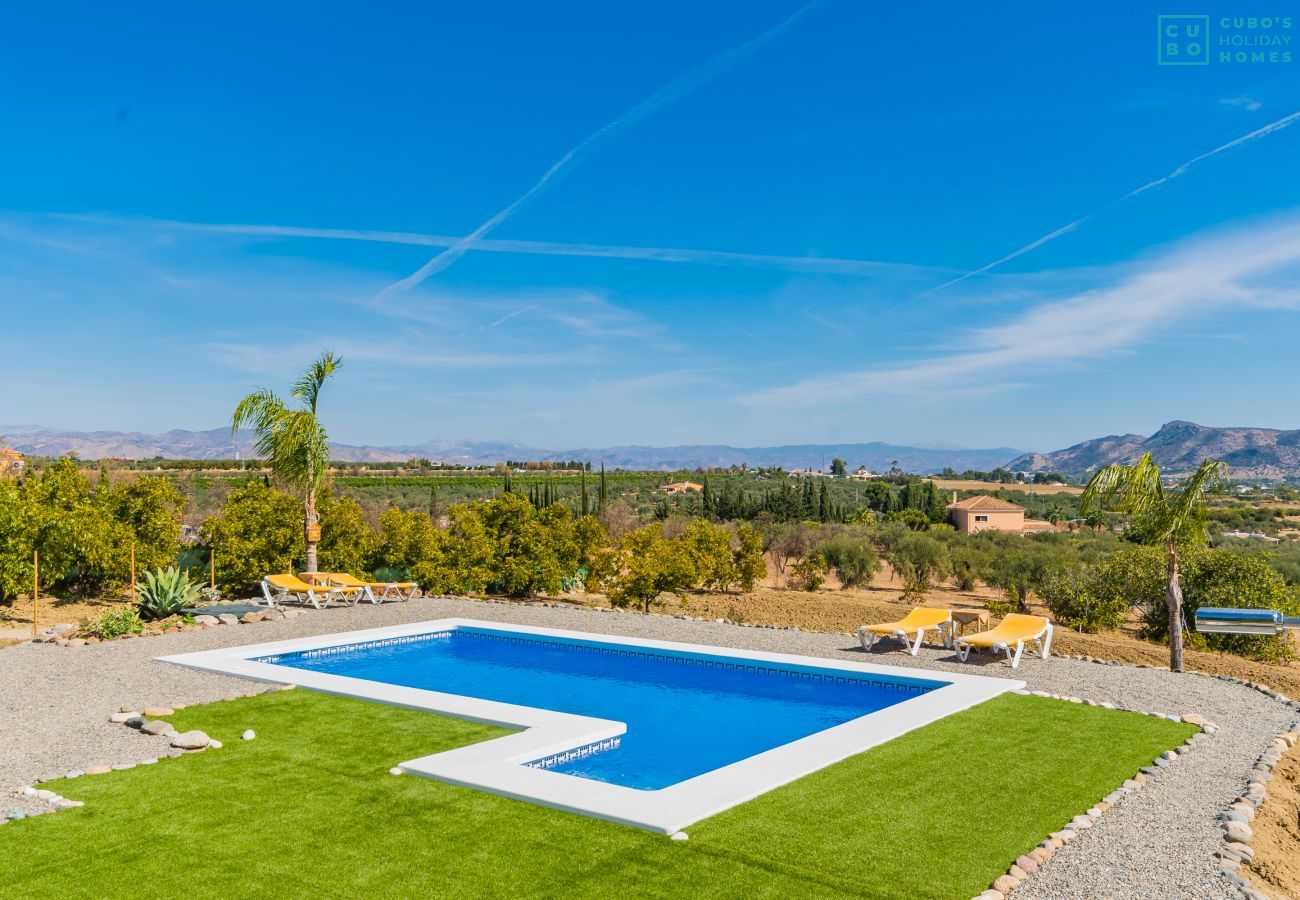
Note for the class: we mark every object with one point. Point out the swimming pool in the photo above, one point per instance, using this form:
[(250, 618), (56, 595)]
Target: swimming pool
[(649, 733)]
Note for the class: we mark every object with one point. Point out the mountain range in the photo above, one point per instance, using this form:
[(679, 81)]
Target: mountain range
[(219, 443), (1177, 447), (1252, 453)]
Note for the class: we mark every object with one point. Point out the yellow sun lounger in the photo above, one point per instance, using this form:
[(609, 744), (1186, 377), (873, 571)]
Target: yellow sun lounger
[(387, 590), (1013, 631), (917, 623), (278, 588)]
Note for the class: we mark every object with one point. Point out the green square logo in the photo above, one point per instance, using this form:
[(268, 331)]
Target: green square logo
[(1182, 40)]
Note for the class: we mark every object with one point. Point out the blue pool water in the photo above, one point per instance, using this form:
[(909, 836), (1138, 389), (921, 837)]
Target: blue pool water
[(686, 713)]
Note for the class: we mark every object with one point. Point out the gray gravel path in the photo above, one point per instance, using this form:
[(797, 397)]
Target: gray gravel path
[(1156, 843)]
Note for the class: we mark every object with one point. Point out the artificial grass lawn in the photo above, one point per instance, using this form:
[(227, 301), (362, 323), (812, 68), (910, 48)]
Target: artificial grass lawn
[(308, 808)]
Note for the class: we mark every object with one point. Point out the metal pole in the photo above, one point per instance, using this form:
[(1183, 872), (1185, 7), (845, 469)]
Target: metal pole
[(212, 567), (36, 587), (133, 571)]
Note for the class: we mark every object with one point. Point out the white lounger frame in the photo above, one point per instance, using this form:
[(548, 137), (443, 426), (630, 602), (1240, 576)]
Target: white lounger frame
[(911, 642), (320, 597), (500, 766), (1043, 640)]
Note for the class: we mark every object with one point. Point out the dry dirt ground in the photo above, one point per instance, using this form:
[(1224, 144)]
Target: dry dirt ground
[(1276, 866), (961, 484)]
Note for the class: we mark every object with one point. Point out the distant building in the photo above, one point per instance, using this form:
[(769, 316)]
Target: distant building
[(1252, 535), (862, 473), (985, 513), (682, 487), (808, 473), (11, 463)]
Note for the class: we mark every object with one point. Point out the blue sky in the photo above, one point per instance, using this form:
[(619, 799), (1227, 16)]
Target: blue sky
[(592, 223)]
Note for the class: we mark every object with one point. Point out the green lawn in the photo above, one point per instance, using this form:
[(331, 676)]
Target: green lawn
[(309, 809)]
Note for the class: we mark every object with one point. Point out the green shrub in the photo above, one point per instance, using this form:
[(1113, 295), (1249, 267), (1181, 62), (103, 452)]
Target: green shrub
[(1002, 608), (346, 541), (919, 560), (809, 573), (855, 562), (113, 623), (257, 533), (165, 593), (1075, 604), (747, 558), (649, 565)]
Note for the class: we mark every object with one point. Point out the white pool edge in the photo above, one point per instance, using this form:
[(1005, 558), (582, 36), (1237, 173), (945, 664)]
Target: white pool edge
[(498, 766)]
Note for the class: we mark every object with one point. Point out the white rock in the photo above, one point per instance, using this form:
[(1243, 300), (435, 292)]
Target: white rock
[(395, 770), (249, 735), (680, 836), (191, 740), (1238, 832), (215, 744)]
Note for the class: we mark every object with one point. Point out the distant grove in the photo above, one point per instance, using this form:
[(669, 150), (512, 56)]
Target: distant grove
[(618, 534)]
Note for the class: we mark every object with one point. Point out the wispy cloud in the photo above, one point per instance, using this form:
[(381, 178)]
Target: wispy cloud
[(823, 264), (674, 90), (1257, 267), (258, 360), (1255, 135), (1245, 102)]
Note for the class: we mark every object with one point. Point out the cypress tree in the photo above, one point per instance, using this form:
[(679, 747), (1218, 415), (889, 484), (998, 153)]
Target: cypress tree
[(583, 482), (604, 487), (824, 504)]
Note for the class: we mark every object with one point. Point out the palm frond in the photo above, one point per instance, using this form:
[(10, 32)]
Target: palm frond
[(1187, 505), (307, 388), (291, 441), (1133, 489)]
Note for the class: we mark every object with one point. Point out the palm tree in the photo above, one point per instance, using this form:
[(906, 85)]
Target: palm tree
[(1138, 491), (293, 441)]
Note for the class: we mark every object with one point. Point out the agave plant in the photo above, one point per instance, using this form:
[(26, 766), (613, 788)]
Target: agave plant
[(165, 592)]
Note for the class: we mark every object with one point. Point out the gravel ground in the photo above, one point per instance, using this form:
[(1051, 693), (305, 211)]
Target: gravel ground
[(1158, 842)]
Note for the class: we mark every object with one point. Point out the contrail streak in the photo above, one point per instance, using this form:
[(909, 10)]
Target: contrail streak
[(827, 264), (675, 89), (1244, 139), (1066, 229)]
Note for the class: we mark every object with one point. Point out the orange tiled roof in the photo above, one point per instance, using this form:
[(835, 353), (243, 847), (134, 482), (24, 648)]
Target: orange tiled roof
[(985, 503)]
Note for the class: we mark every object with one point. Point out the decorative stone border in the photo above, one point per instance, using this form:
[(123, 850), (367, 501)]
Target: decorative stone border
[(1028, 863), (178, 745), (59, 635), (1237, 833)]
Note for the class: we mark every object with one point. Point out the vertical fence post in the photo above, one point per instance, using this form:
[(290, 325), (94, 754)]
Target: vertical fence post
[(212, 568), (133, 571), (36, 588)]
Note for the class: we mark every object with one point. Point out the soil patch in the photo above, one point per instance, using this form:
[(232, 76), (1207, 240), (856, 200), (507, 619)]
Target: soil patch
[(1276, 866)]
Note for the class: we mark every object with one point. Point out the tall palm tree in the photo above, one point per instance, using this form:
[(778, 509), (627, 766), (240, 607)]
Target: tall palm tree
[(1138, 491), (292, 441)]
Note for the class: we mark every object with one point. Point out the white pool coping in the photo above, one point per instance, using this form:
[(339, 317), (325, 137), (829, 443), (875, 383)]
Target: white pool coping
[(499, 765)]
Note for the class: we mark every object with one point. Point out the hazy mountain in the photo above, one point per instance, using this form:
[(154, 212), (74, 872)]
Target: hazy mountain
[(218, 443), (1179, 447)]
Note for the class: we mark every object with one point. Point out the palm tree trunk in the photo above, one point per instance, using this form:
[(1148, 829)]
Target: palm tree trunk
[(1174, 598), (311, 530)]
